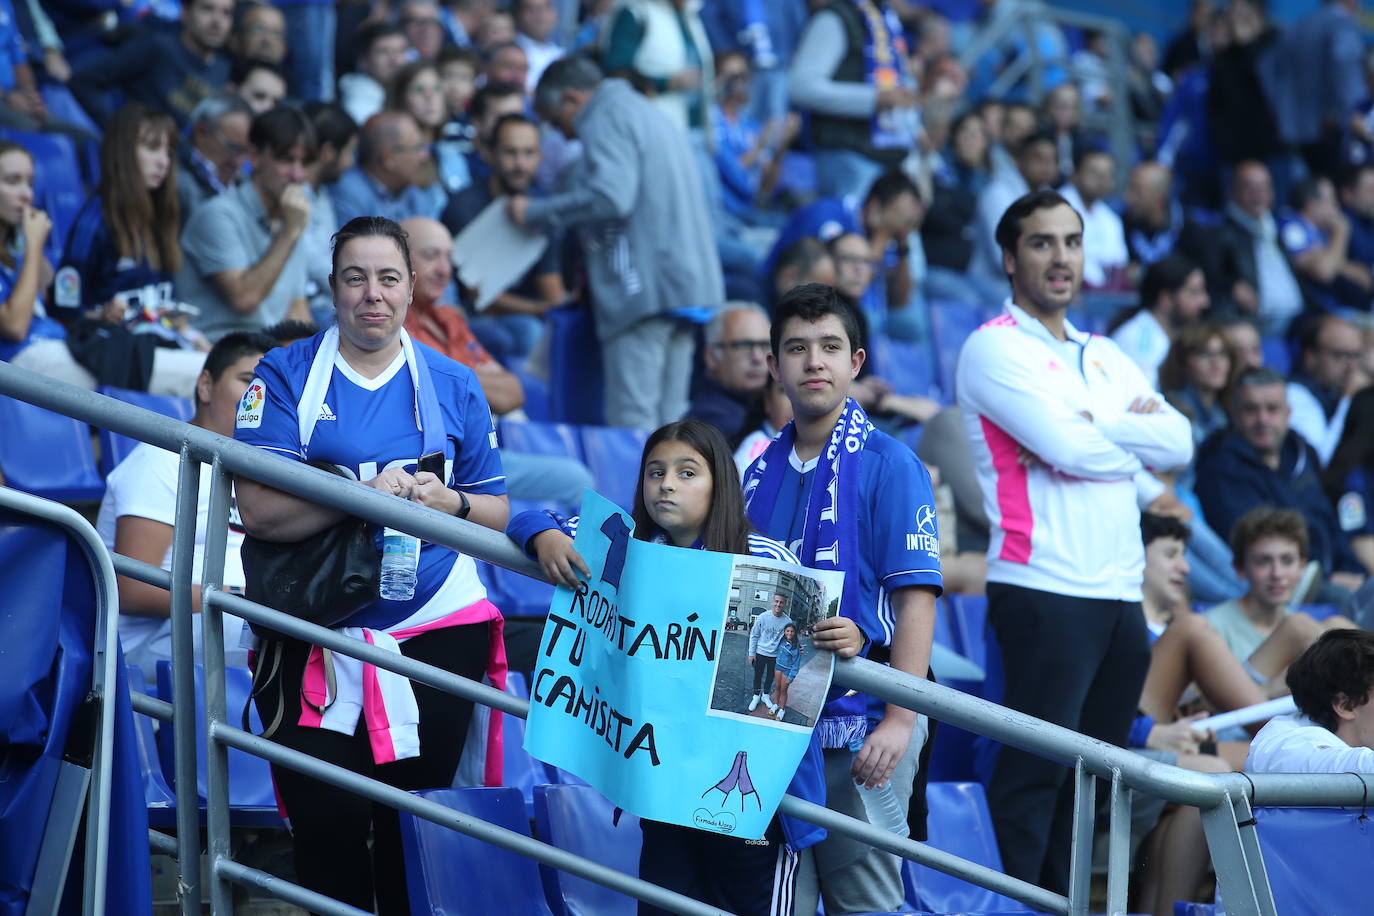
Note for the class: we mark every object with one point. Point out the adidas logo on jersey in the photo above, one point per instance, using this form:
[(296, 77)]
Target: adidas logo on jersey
[(326, 413)]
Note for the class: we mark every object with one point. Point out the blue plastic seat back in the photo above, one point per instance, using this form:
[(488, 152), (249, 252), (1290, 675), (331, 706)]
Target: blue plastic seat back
[(1317, 859), (536, 395), (161, 801), (558, 439), (581, 820), (47, 454), (1182, 908), (912, 369), (252, 798), (612, 453), (968, 617), (951, 323), (58, 186), (114, 448), (520, 770), (576, 383), (958, 823), (450, 873), (1278, 354)]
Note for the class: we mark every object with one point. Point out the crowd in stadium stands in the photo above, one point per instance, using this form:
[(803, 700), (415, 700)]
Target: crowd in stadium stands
[(737, 204)]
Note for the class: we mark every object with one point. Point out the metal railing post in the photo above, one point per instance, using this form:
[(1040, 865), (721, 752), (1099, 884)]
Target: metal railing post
[(1241, 878), (212, 640), (1081, 851), (184, 686), (1119, 846)]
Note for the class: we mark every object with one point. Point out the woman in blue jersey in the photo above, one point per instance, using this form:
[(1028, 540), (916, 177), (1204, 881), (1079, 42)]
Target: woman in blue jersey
[(115, 283), (689, 496), (28, 336), (378, 407)]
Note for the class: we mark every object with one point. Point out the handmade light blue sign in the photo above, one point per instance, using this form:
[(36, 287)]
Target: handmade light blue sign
[(644, 681)]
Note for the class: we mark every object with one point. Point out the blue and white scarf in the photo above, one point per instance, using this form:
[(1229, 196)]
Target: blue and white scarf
[(886, 66), (830, 534)]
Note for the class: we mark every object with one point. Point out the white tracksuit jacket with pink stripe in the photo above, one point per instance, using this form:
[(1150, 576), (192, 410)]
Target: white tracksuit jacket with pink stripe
[(1068, 522)]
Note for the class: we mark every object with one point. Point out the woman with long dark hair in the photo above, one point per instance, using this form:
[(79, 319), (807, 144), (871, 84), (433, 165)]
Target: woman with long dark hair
[(689, 495), (116, 281)]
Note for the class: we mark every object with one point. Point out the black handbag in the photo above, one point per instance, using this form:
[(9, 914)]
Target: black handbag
[(323, 579)]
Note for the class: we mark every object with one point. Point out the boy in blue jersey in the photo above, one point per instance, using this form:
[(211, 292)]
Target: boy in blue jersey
[(846, 496)]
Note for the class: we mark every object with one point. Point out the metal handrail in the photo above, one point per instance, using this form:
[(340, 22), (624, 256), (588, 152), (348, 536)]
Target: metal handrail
[(1225, 800)]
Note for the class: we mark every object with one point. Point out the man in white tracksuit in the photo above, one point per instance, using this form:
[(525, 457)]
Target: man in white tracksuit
[(1060, 423)]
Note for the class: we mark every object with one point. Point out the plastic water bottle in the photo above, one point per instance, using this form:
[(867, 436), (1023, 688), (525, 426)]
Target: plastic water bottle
[(880, 804), (400, 561)]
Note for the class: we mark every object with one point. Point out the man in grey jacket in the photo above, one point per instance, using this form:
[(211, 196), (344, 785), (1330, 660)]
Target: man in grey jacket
[(763, 650), (642, 217)]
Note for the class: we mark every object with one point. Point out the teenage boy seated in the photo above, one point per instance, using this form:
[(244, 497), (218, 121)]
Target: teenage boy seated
[(1269, 550), (1333, 729)]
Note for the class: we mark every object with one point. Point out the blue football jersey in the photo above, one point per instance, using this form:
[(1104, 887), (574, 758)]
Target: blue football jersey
[(366, 426)]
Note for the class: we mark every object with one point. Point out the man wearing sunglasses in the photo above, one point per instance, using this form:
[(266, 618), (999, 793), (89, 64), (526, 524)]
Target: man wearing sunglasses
[(736, 357)]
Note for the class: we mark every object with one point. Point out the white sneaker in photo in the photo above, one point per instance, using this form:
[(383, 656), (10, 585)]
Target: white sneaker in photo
[(781, 710), (768, 701), (754, 703)]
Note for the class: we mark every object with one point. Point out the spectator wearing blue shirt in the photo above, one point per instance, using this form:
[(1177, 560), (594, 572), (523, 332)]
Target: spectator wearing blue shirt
[(393, 160), (1349, 478), (1316, 236), (766, 31), (1356, 191), (28, 336), (122, 254), (163, 71), (748, 153), (511, 325), (852, 498)]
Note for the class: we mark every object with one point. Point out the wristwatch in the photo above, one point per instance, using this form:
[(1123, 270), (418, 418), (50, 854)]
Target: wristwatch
[(466, 507)]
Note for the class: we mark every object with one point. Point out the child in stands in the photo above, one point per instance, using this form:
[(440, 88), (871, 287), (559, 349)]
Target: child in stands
[(689, 496), (787, 666)]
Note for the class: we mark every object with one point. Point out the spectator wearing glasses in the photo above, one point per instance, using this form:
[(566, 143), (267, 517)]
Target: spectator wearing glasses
[(1320, 388), (736, 359), (389, 179), (424, 31), (212, 161)]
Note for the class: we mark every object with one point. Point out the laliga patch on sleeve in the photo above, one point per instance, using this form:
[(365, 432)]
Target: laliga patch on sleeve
[(67, 287), (250, 406), (1350, 512)]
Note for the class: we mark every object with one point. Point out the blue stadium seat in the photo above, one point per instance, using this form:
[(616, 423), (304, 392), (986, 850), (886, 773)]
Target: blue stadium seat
[(576, 384), (1278, 355), (47, 454), (1317, 858), (536, 395), (1196, 909), (950, 324), (958, 823), (558, 439), (455, 875), (58, 188), (968, 617), (612, 454), (252, 800), (581, 820), (156, 792), (520, 770), (114, 448)]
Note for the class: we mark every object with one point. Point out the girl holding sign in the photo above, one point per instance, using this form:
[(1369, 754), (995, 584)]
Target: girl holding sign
[(689, 496)]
